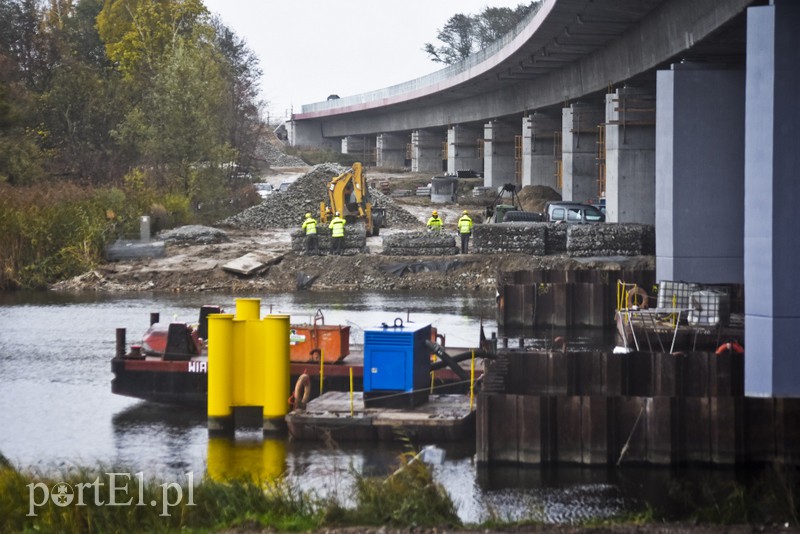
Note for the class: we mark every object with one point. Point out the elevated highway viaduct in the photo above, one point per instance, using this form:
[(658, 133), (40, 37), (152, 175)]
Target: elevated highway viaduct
[(682, 114)]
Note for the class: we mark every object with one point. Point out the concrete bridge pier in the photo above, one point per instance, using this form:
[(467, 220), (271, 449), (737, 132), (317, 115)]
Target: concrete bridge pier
[(426, 152), (538, 156), (390, 150), (361, 147), (462, 149), (700, 174), (579, 124), (772, 190), (630, 156), (499, 154), (309, 134)]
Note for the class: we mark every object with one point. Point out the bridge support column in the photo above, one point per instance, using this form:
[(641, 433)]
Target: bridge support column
[(579, 124), (360, 147), (700, 175), (426, 152), (391, 150), (772, 156), (538, 155), (309, 134), (630, 157), (462, 149), (499, 165)]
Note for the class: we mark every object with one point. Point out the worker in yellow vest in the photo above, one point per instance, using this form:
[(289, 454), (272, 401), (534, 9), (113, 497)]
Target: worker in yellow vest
[(337, 234), (434, 223), (312, 242), (465, 230)]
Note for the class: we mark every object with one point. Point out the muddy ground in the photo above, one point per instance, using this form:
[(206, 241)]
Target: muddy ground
[(198, 266)]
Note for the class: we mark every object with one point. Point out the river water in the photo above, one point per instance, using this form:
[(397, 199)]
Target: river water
[(58, 411)]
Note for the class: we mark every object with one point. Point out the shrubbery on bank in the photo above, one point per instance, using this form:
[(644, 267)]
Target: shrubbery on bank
[(53, 231)]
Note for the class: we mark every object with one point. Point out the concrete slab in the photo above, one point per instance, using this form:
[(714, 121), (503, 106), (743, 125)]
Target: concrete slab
[(251, 263)]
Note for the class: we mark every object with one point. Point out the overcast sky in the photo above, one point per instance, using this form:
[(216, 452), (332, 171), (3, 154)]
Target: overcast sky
[(310, 49)]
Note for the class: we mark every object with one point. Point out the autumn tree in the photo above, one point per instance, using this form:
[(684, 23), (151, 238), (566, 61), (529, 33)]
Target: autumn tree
[(463, 35)]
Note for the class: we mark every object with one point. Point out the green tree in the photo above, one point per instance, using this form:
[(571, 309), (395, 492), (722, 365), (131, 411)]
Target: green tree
[(463, 35), (241, 68), (180, 126), (139, 34)]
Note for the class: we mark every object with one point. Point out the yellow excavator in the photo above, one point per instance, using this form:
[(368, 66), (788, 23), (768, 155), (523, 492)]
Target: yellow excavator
[(348, 194)]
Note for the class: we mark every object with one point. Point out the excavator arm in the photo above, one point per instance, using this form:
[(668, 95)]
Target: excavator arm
[(347, 194)]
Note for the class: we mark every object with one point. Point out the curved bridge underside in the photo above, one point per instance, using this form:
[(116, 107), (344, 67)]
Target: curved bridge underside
[(569, 50)]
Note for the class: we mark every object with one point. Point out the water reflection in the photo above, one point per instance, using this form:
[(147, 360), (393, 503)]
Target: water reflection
[(261, 459), (58, 411)]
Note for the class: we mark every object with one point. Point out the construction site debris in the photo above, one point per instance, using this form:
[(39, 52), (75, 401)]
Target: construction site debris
[(195, 234), (437, 266)]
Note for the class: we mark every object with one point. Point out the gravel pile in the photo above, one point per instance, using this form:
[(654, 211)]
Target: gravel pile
[(522, 237), (273, 156), (194, 233), (420, 244), (286, 209), (395, 215)]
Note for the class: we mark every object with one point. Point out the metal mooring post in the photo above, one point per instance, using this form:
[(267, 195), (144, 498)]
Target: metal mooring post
[(144, 228)]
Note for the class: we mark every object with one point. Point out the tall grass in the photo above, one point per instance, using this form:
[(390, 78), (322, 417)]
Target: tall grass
[(52, 232), (409, 497)]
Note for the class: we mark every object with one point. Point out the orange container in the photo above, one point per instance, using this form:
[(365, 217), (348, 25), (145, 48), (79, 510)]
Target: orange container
[(333, 340)]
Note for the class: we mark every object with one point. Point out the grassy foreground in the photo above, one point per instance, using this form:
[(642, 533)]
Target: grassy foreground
[(81, 502), (100, 501)]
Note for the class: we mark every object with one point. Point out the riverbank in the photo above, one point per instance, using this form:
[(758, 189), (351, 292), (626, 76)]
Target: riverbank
[(199, 266)]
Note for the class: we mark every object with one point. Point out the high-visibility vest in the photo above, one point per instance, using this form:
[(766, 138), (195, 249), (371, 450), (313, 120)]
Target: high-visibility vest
[(310, 226), (337, 227), (435, 223), (465, 224)]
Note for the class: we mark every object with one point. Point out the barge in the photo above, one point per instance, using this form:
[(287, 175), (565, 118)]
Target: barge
[(170, 363)]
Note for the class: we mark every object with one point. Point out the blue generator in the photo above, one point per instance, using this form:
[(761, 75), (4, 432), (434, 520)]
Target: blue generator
[(396, 365)]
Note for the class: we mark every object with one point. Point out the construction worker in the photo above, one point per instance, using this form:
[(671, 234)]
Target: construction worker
[(465, 230), (434, 223), (337, 234), (310, 228)]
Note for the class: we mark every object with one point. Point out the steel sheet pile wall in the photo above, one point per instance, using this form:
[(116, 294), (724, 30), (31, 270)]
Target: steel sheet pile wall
[(438, 243), (597, 408), (529, 299)]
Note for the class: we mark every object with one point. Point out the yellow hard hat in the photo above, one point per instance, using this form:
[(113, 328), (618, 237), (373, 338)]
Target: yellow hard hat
[(435, 213), (308, 215), (465, 212)]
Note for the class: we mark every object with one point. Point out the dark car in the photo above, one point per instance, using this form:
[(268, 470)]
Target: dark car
[(573, 212)]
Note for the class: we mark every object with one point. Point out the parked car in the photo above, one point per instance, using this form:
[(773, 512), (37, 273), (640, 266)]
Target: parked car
[(264, 189), (284, 186), (573, 212)]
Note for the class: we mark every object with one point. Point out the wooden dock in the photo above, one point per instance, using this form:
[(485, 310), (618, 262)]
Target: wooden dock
[(442, 418)]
